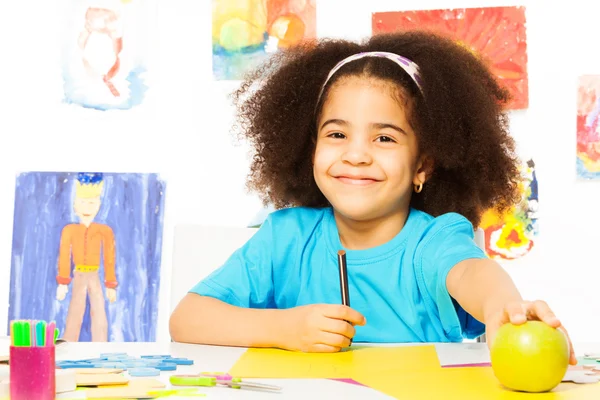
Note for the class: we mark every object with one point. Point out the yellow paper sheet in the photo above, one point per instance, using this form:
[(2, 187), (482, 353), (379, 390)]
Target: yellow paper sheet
[(274, 363), (474, 383)]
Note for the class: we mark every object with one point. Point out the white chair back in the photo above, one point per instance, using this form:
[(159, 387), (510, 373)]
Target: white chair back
[(198, 250), (480, 240)]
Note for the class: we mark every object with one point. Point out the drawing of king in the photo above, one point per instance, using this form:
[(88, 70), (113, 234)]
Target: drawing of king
[(85, 245)]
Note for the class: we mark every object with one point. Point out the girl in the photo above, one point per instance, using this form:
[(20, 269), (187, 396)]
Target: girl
[(389, 150)]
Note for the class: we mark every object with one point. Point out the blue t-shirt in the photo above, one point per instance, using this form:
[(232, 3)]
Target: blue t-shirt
[(399, 286)]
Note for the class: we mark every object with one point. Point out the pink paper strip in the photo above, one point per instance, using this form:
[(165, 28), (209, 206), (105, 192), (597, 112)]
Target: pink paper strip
[(347, 380), (467, 365)]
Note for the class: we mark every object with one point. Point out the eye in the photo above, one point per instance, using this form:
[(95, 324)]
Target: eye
[(336, 135), (384, 138)]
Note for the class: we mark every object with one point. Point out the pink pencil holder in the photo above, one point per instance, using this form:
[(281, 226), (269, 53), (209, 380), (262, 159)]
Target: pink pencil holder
[(32, 373)]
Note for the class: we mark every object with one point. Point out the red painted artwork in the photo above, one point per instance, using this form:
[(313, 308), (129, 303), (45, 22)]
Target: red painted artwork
[(495, 33)]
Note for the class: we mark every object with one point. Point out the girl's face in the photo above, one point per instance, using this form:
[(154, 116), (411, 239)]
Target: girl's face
[(366, 158)]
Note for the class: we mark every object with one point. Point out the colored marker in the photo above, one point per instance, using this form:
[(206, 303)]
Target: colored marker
[(12, 333), (27, 333), (32, 334), (40, 331), (50, 328)]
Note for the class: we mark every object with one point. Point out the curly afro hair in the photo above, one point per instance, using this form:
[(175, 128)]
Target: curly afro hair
[(458, 118)]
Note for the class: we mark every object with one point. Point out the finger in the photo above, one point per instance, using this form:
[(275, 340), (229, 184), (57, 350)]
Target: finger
[(345, 313), (540, 310), (333, 339), (489, 337), (572, 357), (515, 313), (338, 326), (323, 348)]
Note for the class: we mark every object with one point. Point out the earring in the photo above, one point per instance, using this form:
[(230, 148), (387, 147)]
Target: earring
[(419, 188)]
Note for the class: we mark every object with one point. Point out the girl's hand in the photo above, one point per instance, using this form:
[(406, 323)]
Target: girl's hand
[(319, 328), (518, 313)]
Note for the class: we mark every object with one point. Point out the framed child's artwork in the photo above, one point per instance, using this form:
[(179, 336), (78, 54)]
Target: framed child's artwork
[(588, 127), (86, 253), (495, 33)]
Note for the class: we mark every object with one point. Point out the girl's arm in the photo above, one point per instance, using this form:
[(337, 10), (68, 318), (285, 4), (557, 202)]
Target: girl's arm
[(309, 328), (206, 320), (482, 287), (486, 291)]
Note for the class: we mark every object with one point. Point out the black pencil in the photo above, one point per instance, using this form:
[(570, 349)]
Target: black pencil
[(344, 280)]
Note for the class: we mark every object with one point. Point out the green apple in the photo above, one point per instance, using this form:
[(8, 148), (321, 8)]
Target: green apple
[(531, 357)]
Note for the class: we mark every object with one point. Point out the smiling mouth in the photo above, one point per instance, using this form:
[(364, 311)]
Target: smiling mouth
[(356, 181)]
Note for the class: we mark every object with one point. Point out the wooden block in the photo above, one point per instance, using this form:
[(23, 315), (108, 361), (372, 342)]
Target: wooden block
[(149, 383), (118, 393), (100, 379), (3, 359), (92, 371)]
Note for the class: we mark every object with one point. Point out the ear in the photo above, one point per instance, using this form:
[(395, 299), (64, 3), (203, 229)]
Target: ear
[(423, 170)]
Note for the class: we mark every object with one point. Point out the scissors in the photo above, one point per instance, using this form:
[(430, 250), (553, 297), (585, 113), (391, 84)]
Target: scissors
[(218, 378)]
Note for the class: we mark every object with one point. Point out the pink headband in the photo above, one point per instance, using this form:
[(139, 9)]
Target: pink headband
[(407, 65)]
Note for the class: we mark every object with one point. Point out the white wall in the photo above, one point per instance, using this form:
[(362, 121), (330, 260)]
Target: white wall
[(182, 132)]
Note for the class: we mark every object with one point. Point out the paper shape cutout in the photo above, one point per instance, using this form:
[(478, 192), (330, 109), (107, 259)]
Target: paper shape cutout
[(106, 53), (495, 33), (93, 371), (244, 33), (100, 379), (581, 376), (588, 127), (89, 246), (463, 384), (275, 363), (411, 372), (347, 380), (149, 383), (512, 235), (463, 354), (134, 392)]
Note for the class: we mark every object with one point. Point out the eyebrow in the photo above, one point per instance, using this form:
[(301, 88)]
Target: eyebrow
[(376, 125), (334, 121)]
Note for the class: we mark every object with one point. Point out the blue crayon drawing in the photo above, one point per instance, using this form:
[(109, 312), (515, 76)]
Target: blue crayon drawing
[(86, 252)]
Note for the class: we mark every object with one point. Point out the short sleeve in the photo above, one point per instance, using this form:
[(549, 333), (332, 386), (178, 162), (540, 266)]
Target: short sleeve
[(449, 241), (245, 279)]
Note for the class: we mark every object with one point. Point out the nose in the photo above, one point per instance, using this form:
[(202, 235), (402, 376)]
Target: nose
[(357, 152)]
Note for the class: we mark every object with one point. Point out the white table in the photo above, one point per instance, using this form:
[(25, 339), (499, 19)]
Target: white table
[(215, 358)]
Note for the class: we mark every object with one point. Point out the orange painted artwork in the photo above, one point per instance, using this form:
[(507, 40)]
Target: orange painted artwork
[(86, 244), (245, 32), (496, 34), (588, 127), (105, 60), (512, 235), (104, 22)]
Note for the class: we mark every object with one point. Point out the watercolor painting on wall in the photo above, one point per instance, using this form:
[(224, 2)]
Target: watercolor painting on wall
[(588, 127), (88, 246), (513, 234), (105, 53), (245, 32), (495, 33)]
